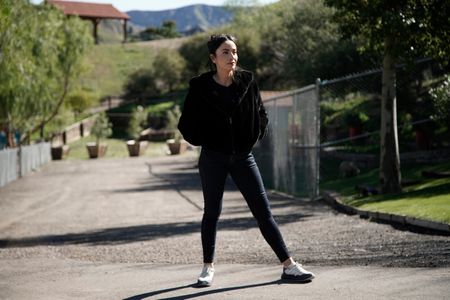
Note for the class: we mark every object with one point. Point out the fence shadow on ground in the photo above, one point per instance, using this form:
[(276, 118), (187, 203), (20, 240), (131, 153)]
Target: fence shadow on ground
[(131, 234)]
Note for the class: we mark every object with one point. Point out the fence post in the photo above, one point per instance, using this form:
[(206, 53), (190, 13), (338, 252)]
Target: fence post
[(19, 160), (317, 179), (81, 129)]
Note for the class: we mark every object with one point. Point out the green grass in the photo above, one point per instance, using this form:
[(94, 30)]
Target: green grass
[(429, 199), (116, 148), (107, 66)]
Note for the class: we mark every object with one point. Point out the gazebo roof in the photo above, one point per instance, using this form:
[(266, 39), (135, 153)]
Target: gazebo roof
[(89, 10)]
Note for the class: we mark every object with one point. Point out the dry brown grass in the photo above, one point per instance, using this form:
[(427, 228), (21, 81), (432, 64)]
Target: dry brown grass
[(174, 43)]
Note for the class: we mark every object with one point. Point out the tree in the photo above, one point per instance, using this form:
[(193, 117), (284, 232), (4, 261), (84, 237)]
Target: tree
[(291, 43), (137, 122), (195, 53), (402, 31), (168, 68), (80, 100), (101, 128), (168, 30), (441, 102), (141, 85), (38, 63)]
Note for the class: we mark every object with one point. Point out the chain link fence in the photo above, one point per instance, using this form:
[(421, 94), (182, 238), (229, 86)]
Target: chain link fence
[(312, 130), (288, 156), (351, 116)]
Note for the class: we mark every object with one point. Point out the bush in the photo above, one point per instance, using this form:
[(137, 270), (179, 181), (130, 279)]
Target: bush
[(168, 68), (441, 102), (102, 128), (195, 53), (137, 122), (81, 100), (157, 114), (173, 116), (141, 85), (355, 119)]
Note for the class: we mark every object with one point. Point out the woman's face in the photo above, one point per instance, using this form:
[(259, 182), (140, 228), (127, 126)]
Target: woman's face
[(226, 56)]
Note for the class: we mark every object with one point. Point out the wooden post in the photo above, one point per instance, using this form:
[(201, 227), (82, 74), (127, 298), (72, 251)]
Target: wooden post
[(95, 22), (124, 22)]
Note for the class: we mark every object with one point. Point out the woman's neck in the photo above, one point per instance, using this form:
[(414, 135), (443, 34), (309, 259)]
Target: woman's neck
[(224, 77)]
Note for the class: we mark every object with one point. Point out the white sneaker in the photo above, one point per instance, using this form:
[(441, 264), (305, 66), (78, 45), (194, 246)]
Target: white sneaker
[(206, 277), (296, 273)]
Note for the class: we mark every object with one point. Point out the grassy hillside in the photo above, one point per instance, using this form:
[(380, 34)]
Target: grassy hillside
[(107, 66)]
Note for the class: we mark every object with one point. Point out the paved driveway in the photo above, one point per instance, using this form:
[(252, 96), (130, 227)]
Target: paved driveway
[(129, 228)]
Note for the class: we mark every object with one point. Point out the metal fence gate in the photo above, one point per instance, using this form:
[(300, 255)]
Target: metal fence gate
[(288, 157)]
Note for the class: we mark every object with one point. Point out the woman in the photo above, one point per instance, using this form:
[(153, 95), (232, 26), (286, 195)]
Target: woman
[(224, 114)]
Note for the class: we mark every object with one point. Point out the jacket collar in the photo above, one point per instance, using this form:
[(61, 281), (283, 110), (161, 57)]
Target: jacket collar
[(242, 78)]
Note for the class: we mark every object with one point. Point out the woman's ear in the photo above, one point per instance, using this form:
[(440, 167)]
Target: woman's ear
[(213, 58)]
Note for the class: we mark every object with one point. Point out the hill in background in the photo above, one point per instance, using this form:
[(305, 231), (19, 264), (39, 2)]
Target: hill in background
[(189, 19)]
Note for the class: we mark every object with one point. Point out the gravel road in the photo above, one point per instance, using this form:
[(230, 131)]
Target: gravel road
[(148, 210)]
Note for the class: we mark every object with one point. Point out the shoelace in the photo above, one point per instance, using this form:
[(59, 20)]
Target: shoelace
[(206, 272), (297, 268)]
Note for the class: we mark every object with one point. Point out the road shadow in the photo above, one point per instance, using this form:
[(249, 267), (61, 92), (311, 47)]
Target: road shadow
[(131, 234), (203, 292)]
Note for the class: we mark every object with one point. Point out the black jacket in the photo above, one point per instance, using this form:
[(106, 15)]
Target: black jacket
[(204, 123)]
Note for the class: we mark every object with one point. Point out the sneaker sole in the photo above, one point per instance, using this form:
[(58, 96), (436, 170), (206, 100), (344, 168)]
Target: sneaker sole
[(302, 278), (203, 283)]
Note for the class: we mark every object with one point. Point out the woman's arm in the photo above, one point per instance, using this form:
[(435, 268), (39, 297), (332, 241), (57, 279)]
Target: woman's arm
[(189, 123), (263, 118)]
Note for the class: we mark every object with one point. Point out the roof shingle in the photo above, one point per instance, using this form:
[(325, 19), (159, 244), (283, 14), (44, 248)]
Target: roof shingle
[(89, 10)]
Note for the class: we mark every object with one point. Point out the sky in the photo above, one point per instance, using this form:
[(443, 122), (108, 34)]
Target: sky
[(126, 5)]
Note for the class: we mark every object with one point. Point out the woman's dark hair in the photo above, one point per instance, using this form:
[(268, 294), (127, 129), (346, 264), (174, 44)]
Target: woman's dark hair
[(214, 42)]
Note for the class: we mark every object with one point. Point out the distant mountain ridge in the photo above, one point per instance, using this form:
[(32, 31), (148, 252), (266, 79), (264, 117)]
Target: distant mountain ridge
[(188, 19)]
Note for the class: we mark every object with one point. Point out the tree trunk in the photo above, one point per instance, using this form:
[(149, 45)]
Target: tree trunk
[(10, 141), (55, 111), (390, 176)]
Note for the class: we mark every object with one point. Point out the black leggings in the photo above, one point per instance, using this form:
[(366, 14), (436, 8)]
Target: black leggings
[(214, 168)]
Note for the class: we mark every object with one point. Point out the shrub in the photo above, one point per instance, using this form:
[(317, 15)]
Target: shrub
[(81, 100), (173, 116), (137, 122), (441, 102), (168, 68), (141, 85), (102, 128)]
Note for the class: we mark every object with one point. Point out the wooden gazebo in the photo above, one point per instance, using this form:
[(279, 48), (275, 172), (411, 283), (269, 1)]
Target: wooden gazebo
[(94, 12)]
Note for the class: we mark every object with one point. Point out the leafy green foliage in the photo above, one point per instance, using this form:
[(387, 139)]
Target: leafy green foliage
[(165, 75), (101, 128), (173, 116), (291, 43), (141, 85), (356, 110), (80, 100), (195, 53), (400, 30), (157, 114), (168, 30), (38, 62), (168, 67), (441, 102), (137, 122), (415, 28)]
